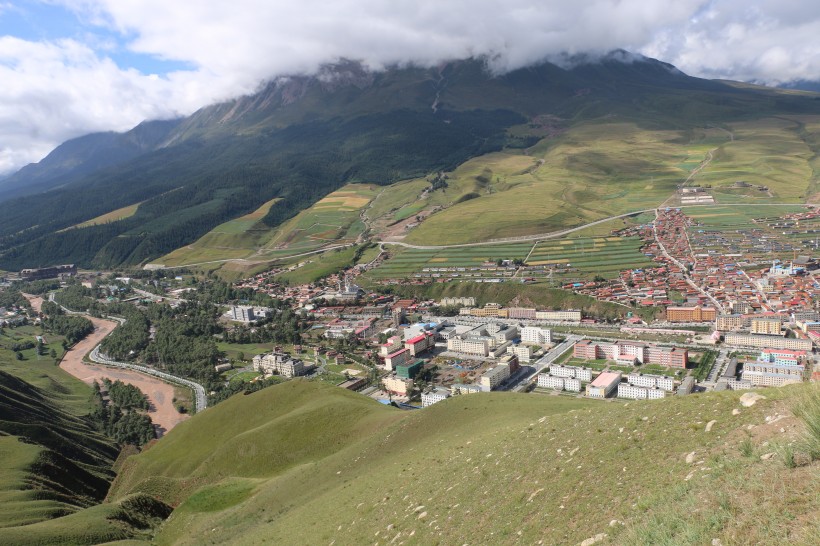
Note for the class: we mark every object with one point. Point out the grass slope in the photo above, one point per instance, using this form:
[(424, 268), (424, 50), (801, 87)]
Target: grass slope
[(113, 216), (302, 463)]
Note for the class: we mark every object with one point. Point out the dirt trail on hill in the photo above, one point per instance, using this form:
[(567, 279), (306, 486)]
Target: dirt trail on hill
[(160, 394)]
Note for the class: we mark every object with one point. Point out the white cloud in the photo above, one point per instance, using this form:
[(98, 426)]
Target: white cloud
[(55, 90)]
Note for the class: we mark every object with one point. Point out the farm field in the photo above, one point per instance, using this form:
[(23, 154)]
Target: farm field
[(591, 171), (235, 238), (731, 218), (113, 216), (407, 262), (591, 255)]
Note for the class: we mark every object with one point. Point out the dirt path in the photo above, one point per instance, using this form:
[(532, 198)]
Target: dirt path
[(160, 394)]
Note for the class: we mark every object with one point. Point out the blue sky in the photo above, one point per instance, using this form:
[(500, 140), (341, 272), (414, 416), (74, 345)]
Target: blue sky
[(71, 67), (38, 21)]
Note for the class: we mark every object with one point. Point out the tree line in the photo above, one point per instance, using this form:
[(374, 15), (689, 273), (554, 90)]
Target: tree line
[(119, 418)]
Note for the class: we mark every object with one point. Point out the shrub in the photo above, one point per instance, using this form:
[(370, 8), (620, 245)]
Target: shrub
[(807, 409)]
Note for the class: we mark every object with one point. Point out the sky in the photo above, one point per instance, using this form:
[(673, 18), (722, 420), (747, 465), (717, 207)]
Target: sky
[(71, 67)]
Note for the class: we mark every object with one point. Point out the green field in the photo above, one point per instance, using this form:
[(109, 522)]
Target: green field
[(407, 262), (604, 256), (373, 472)]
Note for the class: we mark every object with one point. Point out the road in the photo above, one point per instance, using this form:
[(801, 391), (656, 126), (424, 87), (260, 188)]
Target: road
[(543, 362), (158, 386)]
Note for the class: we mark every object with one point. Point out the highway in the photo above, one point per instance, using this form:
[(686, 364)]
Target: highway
[(200, 399), (545, 361)]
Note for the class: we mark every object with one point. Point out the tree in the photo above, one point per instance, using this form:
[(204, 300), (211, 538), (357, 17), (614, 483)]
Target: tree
[(53, 354), (241, 356), (18, 355)]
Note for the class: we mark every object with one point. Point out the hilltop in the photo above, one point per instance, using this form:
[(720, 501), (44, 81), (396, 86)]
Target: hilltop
[(303, 137), (302, 462)]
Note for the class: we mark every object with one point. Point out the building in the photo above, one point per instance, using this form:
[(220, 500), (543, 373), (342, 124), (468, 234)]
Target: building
[(355, 384), (533, 335), (582, 374), (392, 345), (434, 396), (279, 364), (409, 370), (247, 313), (493, 377), (783, 357), (400, 357), (523, 352), (559, 316), (604, 385), (558, 383), (457, 302), (768, 342), (57, 271), (651, 381), (732, 323), (635, 392), (766, 326), (460, 388), (691, 314), (397, 385), (629, 352), (521, 313), (686, 386), (420, 343), (471, 345), (771, 375)]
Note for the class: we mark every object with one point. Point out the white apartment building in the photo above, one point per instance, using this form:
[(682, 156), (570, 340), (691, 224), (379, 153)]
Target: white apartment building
[(473, 345), (582, 374), (770, 342), (652, 381), (278, 363), (559, 316), (523, 352), (434, 396), (634, 392), (559, 383), (536, 336), (493, 377)]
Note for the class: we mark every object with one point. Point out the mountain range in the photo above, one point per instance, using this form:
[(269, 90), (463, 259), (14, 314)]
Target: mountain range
[(301, 137)]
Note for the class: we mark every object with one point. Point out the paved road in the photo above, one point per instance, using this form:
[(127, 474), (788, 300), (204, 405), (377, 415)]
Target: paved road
[(200, 399), (545, 361)]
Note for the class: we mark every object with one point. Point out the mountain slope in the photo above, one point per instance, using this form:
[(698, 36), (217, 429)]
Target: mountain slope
[(81, 156), (495, 468), (302, 137)]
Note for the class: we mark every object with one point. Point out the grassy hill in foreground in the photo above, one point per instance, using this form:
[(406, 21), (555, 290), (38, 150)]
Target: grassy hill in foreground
[(306, 463)]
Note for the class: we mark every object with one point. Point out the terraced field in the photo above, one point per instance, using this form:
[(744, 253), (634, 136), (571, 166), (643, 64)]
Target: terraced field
[(591, 255), (409, 262)]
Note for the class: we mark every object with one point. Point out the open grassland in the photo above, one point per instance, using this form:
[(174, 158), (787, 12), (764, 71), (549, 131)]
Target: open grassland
[(113, 216), (317, 465), (592, 171), (771, 152)]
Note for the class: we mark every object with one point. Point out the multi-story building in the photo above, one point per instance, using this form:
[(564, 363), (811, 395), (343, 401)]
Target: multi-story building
[(783, 357), (409, 370), (631, 352), (523, 352), (651, 381), (766, 374), (732, 323), (583, 374), (493, 377), (635, 392), (397, 385), (420, 343), (770, 342), (434, 396), (393, 360), (279, 364), (766, 326), (471, 345), (559, 383), (460, 388), (536, 336), (805, 316), (691, 314), (392, 345), (559, 316), (604, 385), (457, 302), (521, 313), (242, 313)]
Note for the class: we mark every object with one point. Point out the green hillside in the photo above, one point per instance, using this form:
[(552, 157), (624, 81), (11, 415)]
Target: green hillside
[(311, 464), (614, 134)]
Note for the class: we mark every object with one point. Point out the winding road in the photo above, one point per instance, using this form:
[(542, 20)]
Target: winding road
[(157, 386)]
